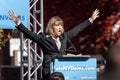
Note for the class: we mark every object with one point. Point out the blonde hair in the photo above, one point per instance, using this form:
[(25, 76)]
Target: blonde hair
[(51, 23)]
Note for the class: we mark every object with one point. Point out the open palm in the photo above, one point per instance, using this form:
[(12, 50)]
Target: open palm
[(95, 14), (13, 16)]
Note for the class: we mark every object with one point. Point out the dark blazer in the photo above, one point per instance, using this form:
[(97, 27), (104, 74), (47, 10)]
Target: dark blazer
[(46, 42)]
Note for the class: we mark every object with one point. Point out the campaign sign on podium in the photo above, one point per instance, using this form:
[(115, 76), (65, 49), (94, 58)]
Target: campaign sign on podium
[(20, 7), (76, 68)]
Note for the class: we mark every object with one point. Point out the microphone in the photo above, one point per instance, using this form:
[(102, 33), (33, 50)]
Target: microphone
[(72, 48)]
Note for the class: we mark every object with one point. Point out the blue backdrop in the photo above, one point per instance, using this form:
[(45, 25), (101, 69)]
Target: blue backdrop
[(19, 6)]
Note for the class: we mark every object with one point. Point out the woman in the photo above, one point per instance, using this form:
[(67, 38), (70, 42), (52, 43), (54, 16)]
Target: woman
[(53, 42)]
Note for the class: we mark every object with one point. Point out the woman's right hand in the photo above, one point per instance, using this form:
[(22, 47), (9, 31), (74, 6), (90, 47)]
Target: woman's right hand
[(13, 16)]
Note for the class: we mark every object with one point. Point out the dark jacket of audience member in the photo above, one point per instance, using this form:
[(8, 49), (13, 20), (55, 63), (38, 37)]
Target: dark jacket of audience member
[(112, 69)]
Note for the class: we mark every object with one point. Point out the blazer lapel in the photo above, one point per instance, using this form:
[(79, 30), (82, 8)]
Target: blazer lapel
[(53, 42), (62, 44)]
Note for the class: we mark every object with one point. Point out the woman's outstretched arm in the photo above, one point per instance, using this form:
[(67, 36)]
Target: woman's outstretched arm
[(73, 32), (31, 35)]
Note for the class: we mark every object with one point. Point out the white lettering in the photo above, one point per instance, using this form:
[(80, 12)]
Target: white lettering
[(75, 68), (88, 77)]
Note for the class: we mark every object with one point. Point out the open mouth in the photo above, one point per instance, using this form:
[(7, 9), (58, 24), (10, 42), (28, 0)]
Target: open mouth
[(59, 31)]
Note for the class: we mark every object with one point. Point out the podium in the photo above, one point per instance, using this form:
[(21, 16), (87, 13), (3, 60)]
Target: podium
[(76, 67)]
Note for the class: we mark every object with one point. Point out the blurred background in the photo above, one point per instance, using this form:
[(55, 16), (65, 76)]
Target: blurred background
[(94, 40)]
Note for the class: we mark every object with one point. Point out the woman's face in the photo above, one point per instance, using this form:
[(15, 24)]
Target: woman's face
[(57, 28)]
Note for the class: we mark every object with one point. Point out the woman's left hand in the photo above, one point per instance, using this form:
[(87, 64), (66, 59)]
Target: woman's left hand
[(95, 14)]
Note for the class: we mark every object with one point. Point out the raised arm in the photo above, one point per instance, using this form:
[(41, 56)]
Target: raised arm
[(73, 32), (23, 29)]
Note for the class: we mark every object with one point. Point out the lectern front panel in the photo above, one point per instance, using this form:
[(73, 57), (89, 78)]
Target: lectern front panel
[(76, 68)]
